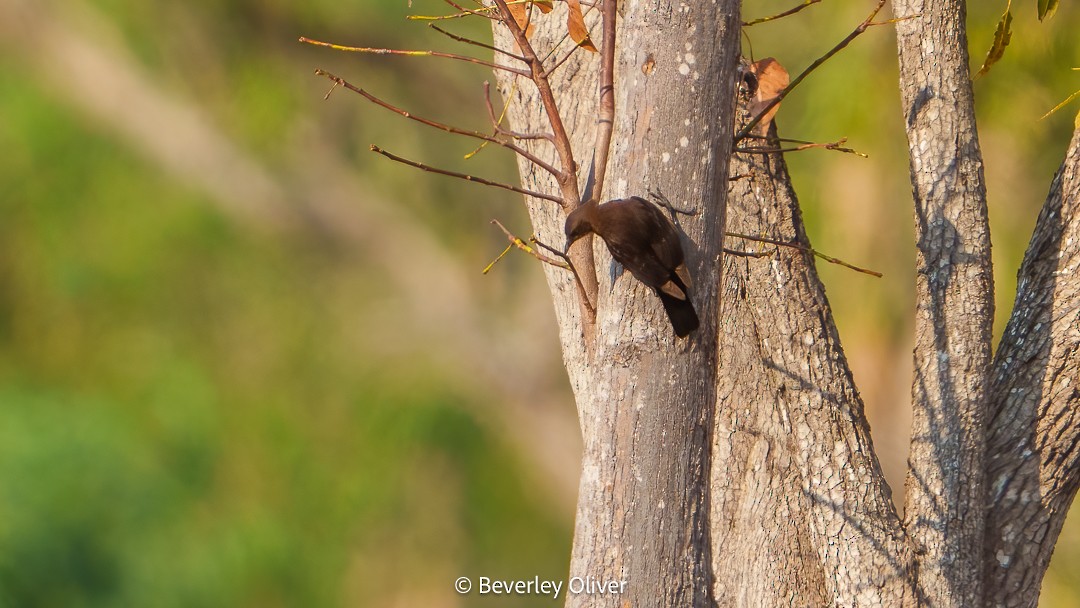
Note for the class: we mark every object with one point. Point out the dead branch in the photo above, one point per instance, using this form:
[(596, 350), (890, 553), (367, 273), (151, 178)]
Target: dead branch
[(806, 249), (606, 117), (468, 178), (786, 13), (567, 177), (837, 146), (520, 244), (477, 43), (400, 52), (496, 123), (509, 145)]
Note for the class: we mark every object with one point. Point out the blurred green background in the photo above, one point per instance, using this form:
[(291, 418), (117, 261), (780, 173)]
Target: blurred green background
[(245, 362)]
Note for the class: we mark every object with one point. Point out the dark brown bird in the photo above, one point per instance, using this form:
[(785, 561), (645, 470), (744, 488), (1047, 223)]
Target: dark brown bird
[(642, 239)]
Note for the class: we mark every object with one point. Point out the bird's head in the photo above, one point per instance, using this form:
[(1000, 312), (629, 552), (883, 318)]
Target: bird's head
[(578, 224)]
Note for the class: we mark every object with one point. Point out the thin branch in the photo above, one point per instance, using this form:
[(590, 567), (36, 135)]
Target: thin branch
[(520, 244), (837, 146), (482, 45), (377, 51), (748, 254), (862, 27), (468, 178), (810, 250), (502, 255), (496, 123), (792, 11), (606, 114), (465, 12), (438, 125), (567, 181)]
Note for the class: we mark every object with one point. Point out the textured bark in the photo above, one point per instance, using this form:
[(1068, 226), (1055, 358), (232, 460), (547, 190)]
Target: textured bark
[(945, 501), (1034, 446), (645, 399), (794, 472)]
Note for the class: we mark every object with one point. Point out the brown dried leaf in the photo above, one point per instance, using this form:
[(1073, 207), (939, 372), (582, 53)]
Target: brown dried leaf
[(545, 6), (575, 24), (520, 12), (772, 79)]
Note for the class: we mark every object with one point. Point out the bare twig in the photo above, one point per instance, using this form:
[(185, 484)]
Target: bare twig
[(567, 179), (468, 178), (809, 250), (606, 117), (438, 125), (482, 45), (792, 11), (465, 12), (569, 263), (862, 27), (748, 254), (522, 245), (377, 51), (837, 146), (496, 123)]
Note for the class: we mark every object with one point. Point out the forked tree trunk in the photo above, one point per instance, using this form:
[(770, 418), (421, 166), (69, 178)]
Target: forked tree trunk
[(735, 468)]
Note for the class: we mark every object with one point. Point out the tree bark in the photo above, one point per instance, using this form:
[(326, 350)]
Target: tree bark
[(1034, 446), (645, 399), (801, 511), (945, 501)]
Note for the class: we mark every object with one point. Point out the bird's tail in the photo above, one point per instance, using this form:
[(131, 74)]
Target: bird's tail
[(681, 312)]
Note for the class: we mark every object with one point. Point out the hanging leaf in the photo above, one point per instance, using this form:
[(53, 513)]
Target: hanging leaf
[(520, 12), (545, 6), (575, 24), (772, 79), (1002, 36), (1047, 8)]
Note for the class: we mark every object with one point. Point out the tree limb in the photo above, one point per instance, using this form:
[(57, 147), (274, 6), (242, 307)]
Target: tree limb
[(945, 500), (1033, 452)]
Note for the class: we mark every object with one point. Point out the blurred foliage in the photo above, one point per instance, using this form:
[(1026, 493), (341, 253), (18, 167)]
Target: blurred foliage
[(197, 412)]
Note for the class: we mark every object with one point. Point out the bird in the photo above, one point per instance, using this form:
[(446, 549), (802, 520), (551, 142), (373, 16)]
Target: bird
[(642, 239)]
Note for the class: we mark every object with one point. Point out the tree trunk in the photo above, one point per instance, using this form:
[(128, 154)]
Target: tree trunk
[(645, 398), (735, 467)]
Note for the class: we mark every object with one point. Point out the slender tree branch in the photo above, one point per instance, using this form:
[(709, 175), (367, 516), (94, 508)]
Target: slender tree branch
[(468, 178), (376, 51), (567, 180), (438, 125), (520, 244), (484, 12), (862, 27), (496, 123), (801, 247), (791, 11), (837, 146), (477, 43), (606, 114)]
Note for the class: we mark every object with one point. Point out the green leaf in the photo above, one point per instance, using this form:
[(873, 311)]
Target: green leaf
[(1002, 36), (1047, 8)]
